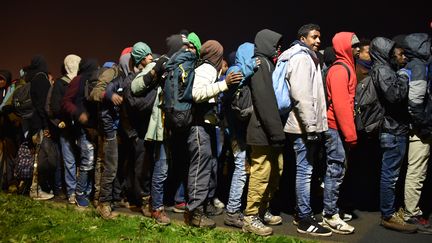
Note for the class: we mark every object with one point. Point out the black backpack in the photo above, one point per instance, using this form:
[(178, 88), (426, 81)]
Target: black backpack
[(368, 110), (241, 103), (139, 104), (21, 101)]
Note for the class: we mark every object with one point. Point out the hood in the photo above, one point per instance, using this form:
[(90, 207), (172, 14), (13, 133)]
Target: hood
[(195, 40), (174, 43), (7, 76), (212, 51), (124, 63), (244, 59), (87, 66), (417, 45), (266, 43), (295, 49), (71, 65), (380, 50), (38, 64), (342, 45), (139, 51)]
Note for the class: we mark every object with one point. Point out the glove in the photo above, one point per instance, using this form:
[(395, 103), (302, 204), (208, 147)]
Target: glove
[(159, 68), (312, 137)]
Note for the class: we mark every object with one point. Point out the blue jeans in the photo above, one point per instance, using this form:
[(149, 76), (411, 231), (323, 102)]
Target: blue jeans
[(180, 194), (67, 145), (393, 148), (305, 158), (335, 171), (84, 180), (238, 180), (160, 174)]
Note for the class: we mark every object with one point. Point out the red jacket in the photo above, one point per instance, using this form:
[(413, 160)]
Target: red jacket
[(341, 90)]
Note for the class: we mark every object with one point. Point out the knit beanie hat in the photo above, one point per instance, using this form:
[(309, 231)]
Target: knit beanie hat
[(195, 40), (139, 51)]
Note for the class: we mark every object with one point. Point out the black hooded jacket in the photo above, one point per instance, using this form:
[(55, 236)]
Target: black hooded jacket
[(393, 89), (265, 125)]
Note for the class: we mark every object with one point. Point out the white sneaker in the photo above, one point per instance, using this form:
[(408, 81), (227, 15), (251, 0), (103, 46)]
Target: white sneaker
[(40, 195), (337, 225), (271, 219), (71, 198), (217, 203)]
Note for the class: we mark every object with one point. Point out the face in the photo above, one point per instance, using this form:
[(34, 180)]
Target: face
[(148, 59), (312, 40), (2, 83), (192, 48), (400, 57), (224, 66), (355, 51), (364, 53)]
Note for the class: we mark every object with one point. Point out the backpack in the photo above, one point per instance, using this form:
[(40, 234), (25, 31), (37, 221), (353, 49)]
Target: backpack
[(21, 101), (24, 162), (143, 103), (325, 72), (91, 83), (241, 103), (281, 87), (177, 103), (368, 110)]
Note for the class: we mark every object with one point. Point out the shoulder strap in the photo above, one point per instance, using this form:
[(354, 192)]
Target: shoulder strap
[(345, 66)]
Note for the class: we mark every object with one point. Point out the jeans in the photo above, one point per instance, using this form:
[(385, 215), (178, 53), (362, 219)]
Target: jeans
[(160, 174), (110, 165), (305, 158), (142, 169), (85, 177), (335, 171), (67, 149), (393, 148), (238, 180)]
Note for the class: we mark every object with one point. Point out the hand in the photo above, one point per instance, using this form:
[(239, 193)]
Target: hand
[(233, 78), (61, 124), (159, 68), (312, 137), (257, 62), (46, 133), (83, 118), (116, 99)]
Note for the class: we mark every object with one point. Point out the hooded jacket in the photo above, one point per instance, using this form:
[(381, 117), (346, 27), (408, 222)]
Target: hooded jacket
[(71, 65), (341, 90), (307, 91), (37, 74), (265, 125), (392, 89), (74, 102), (417, 50)]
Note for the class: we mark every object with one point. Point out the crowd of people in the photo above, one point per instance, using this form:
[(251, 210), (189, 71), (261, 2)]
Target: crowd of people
[(88, 141)]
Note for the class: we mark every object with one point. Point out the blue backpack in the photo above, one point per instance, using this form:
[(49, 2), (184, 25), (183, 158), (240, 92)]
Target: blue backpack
[(177, 92), (281, 87)]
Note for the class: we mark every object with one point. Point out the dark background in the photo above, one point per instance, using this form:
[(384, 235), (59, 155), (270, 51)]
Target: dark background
[(101, 29)]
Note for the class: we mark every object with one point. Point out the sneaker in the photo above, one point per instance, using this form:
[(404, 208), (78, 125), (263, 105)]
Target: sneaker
[(271, 219), (346, 216), (296, 219), (234, 219), (82, 201), (253, 224), (199, 219), (104, 210), (71, 198), (211, 210), (337, 225), (396, 222), (40, 195), (217, 203), (161, 217), (422, 224), (179, 207), (146, 207), (310, 226)]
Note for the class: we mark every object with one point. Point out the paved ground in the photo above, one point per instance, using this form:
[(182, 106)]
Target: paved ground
[(366, 224)]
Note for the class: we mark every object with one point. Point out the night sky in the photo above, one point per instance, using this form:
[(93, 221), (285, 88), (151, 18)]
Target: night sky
[(101, 29)]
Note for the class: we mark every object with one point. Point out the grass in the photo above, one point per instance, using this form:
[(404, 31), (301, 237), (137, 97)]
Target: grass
[(25, 220)]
